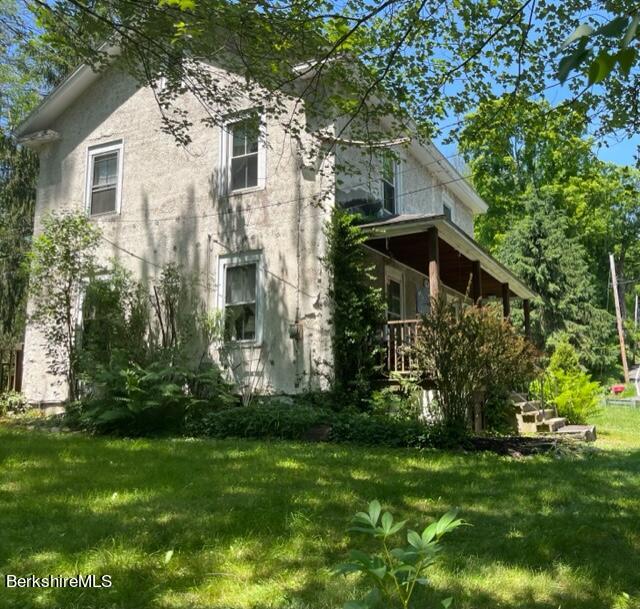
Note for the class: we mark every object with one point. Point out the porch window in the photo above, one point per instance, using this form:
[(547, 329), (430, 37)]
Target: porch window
[(240, 297), (389, 183), (395, 293), (104, 179)]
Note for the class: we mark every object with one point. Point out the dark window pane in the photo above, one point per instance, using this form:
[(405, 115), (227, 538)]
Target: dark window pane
[(447, 212), (394, 306), (240, 284), (244, 172), (389, 197), (103, 200), (105, 169), (245, 134), (240, 322)]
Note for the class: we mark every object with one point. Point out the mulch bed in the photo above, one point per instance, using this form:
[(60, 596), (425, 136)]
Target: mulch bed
[(516, 446)]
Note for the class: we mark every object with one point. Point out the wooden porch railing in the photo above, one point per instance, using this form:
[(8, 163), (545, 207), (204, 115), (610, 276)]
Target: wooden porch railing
[(11, 369), (401, 338)]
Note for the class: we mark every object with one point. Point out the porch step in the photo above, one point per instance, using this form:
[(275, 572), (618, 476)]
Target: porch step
[(528, 406), (580, 432), (552, 424), (537, 416)]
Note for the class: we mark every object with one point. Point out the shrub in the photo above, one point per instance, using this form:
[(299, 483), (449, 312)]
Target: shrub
[(568, 386), (12, 402), (137, 400), (275, 420), (401, 401), (358, 309), (298, 422), (466, 350)]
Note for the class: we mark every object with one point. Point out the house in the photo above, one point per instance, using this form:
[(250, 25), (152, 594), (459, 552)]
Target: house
[(243, 209)]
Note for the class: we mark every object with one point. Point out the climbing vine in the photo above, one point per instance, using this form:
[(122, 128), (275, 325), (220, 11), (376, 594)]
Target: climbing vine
[(358, 309)]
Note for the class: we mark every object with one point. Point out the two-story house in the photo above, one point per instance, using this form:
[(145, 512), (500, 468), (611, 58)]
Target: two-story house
[(243, 209)]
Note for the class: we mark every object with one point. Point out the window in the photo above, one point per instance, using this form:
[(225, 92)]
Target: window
[(239, 297), (243, 153), (394, 290), (104, 179), (389, 183), (448, 214)]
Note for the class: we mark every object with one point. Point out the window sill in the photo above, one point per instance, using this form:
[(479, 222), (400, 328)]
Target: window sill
[(245, 191), (242, 344), (104, 214)]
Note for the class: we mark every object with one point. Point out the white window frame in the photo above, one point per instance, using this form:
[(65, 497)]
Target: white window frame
[(92, 153), (226, 143), (242, 259), (396, 184), (395, 274), (448, 201)]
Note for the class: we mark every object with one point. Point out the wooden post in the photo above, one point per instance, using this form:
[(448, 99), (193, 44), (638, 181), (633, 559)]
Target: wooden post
[(476, 282), (616, 300), (526, 307), (506, 301), (433, 258)]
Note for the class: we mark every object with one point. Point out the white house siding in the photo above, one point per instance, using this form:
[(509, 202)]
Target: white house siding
[(419, 190), (171, 212)]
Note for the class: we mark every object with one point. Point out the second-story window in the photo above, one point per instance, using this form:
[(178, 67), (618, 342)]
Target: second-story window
[(104, 170), (243, 154), (389, 183)]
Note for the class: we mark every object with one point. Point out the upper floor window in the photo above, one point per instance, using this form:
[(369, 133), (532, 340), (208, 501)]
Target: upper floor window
[(240, 296), (243, 153), (448, 213), (104, 179), (390, 183)]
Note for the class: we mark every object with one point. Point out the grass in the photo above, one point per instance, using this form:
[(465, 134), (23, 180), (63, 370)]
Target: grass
[(256, 524)]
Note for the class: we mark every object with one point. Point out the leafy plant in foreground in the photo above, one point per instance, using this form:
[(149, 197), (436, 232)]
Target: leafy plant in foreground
[(397, 571)]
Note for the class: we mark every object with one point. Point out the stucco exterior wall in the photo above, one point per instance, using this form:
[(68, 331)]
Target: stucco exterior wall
[(172, 212)]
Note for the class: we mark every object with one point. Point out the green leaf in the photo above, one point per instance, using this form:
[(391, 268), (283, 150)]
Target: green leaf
[(601, 67), (374, 511), (570, 63), (386, 522), (630, 34), (614, 28), (582, 31), (430, 532), (168, 555), (414, 539), (447, 523), (625, 58), (446, 603)]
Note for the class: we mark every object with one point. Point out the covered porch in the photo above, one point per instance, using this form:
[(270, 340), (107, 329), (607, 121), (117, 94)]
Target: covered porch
[(420, 257)]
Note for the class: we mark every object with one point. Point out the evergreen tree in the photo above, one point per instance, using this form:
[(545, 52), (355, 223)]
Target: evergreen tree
[(541, 250)]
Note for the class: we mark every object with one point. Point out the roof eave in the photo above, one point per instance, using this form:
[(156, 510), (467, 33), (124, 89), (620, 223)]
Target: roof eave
[(456, 237)]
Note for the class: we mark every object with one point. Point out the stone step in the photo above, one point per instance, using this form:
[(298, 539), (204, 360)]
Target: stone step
[(580, 432), (528, 406), (537, 416), (552, 424)]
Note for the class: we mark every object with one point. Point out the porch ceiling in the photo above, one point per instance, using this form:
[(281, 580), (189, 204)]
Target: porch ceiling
[(403, 238)]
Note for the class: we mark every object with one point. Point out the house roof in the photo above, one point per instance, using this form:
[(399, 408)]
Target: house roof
[(408, 224), (60, 98)]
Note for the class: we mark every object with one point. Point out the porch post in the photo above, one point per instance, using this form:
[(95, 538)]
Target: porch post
[(506, 302), (476, 282), (433, 260), (526, 305)]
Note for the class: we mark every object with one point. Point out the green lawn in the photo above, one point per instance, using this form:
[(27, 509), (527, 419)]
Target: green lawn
[(254, 524)]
